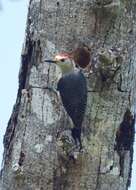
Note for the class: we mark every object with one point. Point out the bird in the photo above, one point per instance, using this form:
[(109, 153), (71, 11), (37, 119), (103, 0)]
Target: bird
[(80, 56), (72, 87)]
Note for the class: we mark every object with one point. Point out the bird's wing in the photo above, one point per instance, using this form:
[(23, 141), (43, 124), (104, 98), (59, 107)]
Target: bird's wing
[(73, 92)]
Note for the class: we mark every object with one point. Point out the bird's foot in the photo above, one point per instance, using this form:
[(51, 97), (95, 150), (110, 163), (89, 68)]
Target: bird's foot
[(78, 147), (81, 150)]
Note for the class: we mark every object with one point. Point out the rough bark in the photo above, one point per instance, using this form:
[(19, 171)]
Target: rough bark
[(35, 157)]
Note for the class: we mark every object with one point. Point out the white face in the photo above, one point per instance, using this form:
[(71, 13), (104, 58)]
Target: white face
[(65, 63)]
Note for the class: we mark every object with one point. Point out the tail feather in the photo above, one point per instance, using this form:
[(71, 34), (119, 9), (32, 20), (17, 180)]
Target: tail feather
[(76, 134)]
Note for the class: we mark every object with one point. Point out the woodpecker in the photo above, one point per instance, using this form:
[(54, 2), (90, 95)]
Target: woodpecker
[(72, 87), (80, 56)]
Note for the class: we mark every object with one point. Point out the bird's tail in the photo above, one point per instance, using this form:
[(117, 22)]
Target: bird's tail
[(76, 134)]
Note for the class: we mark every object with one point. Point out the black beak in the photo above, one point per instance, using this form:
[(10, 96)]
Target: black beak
[(50, 61)]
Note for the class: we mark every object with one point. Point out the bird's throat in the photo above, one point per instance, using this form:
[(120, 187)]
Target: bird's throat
[(66, 68)]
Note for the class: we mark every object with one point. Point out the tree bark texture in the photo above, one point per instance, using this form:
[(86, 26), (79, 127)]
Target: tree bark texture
[(37, 155)]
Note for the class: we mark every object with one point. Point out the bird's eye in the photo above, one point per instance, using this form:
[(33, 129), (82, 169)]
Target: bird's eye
[(62, 60)]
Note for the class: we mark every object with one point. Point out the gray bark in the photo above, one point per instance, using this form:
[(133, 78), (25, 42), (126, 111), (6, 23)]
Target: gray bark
[(35, 157)]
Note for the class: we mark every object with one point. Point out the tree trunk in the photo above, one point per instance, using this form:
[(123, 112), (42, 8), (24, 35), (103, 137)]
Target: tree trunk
[(37, 155)]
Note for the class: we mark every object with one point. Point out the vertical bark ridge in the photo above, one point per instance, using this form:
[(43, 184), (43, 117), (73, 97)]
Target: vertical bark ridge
[(39, 158)]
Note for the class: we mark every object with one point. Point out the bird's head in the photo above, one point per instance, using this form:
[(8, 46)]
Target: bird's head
[(64, 61)]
